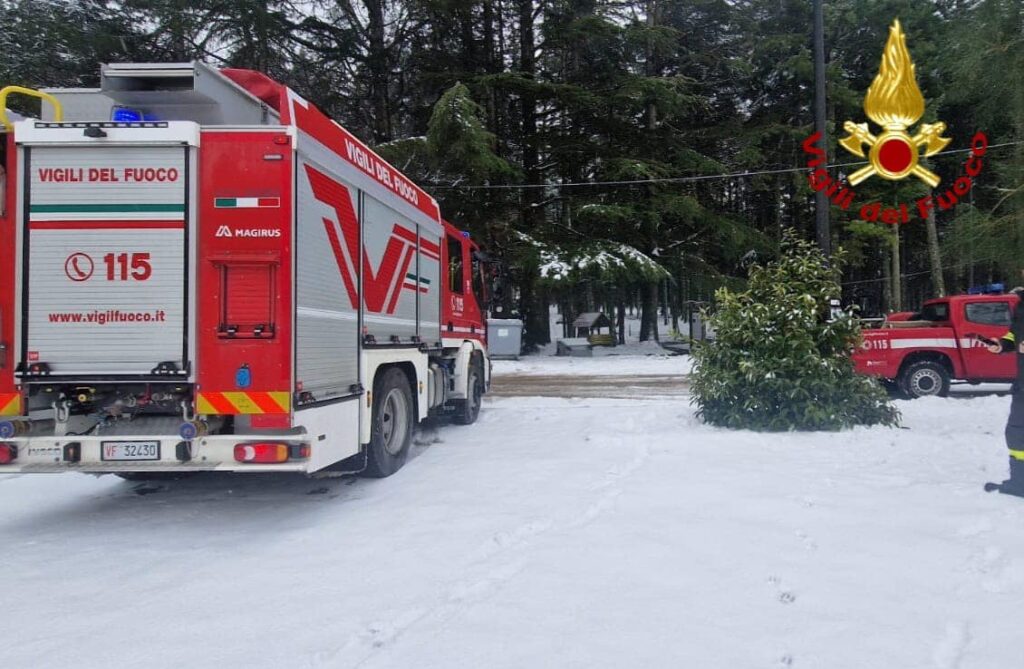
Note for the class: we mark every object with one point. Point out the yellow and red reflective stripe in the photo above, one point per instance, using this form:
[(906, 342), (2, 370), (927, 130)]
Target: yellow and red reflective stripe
[(239, 402), (10, 404), (268, 403), (213, 403)]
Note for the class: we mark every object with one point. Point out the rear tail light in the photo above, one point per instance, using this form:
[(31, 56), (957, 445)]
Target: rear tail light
[(8, 453), (261, 452), (270, 452)]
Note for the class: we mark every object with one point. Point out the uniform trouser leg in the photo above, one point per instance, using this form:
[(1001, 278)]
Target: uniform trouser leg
[(1015, 443), (1015, 423)]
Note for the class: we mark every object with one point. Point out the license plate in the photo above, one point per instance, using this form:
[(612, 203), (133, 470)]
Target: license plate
[(130, 450)]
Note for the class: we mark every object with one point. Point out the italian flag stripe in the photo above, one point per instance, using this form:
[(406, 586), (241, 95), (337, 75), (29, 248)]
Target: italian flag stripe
[(413, 277), (247, 202), (103, 208)]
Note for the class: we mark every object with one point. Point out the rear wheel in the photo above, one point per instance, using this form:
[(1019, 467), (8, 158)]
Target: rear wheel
[(468, 410), (392, 424), (925, 379)]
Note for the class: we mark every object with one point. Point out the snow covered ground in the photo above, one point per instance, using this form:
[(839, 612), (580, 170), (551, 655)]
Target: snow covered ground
[(619, 361), (553, 533), (634, 357)]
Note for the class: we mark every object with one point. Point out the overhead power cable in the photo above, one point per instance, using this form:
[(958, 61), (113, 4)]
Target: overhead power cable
[(944, 268), (690, 179)]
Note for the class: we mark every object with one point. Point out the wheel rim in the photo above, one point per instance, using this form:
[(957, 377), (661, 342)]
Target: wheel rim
[(926, 382), (394, 421)]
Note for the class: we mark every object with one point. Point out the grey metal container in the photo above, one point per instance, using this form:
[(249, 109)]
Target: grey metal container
[(504, 338)]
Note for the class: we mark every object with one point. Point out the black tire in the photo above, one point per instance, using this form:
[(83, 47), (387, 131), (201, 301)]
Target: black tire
[(468, 410), (392, 420), (925, 379)]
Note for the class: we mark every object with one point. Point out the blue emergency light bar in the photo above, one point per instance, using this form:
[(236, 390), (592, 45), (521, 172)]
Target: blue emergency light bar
[(987, 289), (130, 115)]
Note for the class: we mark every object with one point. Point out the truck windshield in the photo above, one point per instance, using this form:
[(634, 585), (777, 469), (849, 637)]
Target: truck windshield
[(455, 265), (479, 282)]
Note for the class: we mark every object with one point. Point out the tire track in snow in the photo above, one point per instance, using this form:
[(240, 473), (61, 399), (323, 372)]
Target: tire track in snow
[(506, 548)]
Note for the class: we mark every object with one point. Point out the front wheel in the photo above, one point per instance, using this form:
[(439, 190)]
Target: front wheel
[(925, 379), (392, 424), (468, 410)]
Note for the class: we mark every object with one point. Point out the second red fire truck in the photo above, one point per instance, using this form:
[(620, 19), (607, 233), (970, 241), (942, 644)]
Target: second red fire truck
[(920, 354), (199, 270)]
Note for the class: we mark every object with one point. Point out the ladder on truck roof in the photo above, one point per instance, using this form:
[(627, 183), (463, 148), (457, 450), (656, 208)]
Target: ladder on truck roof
[(6, 125), (7, 118)]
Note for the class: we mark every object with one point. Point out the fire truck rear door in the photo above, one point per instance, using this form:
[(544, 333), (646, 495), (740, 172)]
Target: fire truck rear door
[(105, 262)]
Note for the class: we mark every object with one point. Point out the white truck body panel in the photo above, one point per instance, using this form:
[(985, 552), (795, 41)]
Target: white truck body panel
[(107, 262)]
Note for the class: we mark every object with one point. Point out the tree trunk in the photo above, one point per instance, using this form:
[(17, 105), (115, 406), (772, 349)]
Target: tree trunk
[(897, 280), (536, 313), (886, 278), (536, 320), (620, 317), (934, 256), (677, 299), (664, 302), (489, 65), (651, 68), (649, 313), (377, 63), (528, 118)]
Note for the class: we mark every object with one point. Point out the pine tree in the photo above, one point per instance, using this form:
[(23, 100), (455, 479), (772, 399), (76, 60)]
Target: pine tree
[(781, 360)]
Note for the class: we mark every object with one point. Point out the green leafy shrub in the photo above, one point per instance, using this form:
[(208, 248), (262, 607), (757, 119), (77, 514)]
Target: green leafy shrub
[(779, 360)]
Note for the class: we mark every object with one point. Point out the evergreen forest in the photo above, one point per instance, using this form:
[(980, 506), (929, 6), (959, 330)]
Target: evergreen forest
[(614, 154)]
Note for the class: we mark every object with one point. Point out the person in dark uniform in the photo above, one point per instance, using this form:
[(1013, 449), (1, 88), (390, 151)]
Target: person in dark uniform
[(1013, 342)]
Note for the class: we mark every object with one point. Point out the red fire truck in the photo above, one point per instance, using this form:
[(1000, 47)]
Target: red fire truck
[(199, 270), (921, 353)]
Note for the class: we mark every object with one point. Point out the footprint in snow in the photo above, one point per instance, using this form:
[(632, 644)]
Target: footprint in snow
[(809, 543), (783, 596)]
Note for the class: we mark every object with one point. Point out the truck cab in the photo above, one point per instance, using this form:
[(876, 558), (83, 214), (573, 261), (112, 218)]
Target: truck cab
[(921, 353)]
